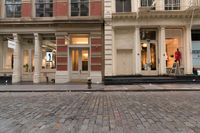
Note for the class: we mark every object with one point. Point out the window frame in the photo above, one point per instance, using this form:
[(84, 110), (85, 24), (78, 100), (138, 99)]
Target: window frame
[(146, 3), (123, 6), (79, 12), (44, 12), (171, 6), (14, 4)]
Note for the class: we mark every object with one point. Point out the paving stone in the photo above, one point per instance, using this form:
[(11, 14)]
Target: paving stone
[(115, 112)]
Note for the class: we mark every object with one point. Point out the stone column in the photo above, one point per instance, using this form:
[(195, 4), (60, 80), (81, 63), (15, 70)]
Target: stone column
[(16, 77), (188, 51), (30, 60), (162, 52), (37, 61), (137, 48)]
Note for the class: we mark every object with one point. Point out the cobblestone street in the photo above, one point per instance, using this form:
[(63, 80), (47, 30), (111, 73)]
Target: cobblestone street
[(100, 112)]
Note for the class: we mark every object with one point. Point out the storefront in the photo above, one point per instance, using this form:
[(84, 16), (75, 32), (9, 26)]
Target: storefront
[(59, 57)]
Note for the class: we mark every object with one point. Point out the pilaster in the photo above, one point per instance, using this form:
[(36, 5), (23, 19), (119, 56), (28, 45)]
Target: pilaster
[(16, 77), (108, 33), (96, 57), (37, 57), (188, 51), (137, 51), (162, 52), (62, 71)]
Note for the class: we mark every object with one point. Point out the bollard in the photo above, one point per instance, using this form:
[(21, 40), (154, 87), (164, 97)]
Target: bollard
[(89, 82)]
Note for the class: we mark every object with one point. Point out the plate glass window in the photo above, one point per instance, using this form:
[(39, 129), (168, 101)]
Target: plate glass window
[(123, 5), (44, 8), (79, 7), (13, 8), (172, 4)]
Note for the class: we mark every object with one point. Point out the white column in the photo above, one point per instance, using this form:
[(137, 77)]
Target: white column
[(37, 61), (16, 77), (30, 60), (162, 52), (188, 51), (137, 51)]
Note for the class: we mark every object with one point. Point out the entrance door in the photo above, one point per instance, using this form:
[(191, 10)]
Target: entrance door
[(149, 64), (79, 59), (28, 65)]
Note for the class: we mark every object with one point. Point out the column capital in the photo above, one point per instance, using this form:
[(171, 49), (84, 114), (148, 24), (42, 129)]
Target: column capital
[(137, 27), (162, 27)]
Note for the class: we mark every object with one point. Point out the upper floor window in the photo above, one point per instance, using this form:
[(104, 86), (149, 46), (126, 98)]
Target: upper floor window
[(147, 3), (13, 8), (79, 8), (172, 4), (44, 8), (123, 5)]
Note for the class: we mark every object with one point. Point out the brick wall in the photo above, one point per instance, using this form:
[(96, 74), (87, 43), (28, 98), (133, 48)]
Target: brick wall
[(96, 53), (96, 8), (26, 8), (61, 58), (60, 8)]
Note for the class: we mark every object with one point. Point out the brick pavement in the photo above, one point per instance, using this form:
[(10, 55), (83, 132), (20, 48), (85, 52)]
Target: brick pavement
[(97, 112)]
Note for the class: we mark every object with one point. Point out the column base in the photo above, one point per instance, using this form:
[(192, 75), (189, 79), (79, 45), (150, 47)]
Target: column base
[(62, 77), (36, 78), (16, 78), (96, 77)]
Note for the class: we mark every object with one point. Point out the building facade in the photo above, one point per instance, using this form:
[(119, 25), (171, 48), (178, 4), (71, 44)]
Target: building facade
[(141, 36), (54, 40)]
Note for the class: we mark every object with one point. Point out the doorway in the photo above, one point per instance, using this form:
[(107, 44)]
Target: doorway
[(79, 64), (28, 65), (149, 57)]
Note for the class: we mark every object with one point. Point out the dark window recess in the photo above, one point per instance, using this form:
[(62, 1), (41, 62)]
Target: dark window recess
[(147, 35), (13, 8), (44, 8), (123, 5), (196, 36), (79, 8), (146, 3)]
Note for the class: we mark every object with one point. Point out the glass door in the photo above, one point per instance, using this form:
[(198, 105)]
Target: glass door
[(28, 65), (149, 58), (79, 64)]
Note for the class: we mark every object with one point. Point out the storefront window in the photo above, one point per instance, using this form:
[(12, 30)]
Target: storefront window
[(48, 54), (79, 39), (28, 60), (6, 58)]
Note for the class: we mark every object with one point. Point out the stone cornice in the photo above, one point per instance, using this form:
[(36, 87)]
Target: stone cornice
[(156, 14)]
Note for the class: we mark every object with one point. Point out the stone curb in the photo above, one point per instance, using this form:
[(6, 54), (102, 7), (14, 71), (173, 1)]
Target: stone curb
[(102, 90)]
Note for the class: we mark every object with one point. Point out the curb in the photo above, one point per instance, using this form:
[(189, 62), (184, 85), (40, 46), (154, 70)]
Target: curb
[(99, 90)]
